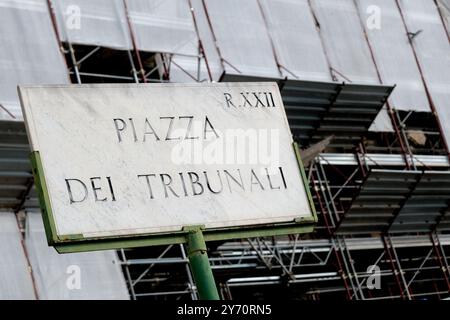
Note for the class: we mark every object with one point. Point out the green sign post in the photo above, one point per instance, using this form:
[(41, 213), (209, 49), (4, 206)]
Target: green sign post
[(201, 269)]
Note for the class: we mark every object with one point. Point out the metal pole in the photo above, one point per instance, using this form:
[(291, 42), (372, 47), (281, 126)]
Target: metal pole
[(189, 275), (425, 84), (439, 259), (200, 45), (199, 262), (391, 112), (394, 270), (134, 43), (269, 35), (401, 272), (352, 267), (128, 274)]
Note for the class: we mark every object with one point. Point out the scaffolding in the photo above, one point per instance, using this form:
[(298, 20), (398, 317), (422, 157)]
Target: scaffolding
[(382, 197)]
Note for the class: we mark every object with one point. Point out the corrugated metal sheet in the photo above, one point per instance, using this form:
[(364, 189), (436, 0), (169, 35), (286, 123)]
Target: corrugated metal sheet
[(426, 204), (15, 169), (242, 37), (413, 201), (367, 213), (444, 224), (91, 275), (344, 41), (433, 51), (29, 51), (296, 39), (99, 22), (15, 277), (394, 56)]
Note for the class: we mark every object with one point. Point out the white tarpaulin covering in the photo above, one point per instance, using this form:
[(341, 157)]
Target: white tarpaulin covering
[(382, 122), (242, 36), (433, 50), (93, 22), (296, 40), (29, 51), (163, 26), (344, 41), (347, 48), (393, 54), (444, 6), (91, 275), (15, 278), (190, 64)]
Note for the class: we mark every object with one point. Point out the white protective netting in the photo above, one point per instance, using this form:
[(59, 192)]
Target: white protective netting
[(393, 54), (344, 41), (190, 64), (444, 6), (296, 39), (15, 278), (433, 51), (93, 22), (242, 37), (56, 275), (382, 122), (163, 26), (347, 48), (29, 51)]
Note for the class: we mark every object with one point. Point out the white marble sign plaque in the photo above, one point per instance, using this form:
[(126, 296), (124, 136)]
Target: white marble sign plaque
[(123, 160)]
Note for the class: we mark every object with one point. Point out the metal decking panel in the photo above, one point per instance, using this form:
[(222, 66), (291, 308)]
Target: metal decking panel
[(367, 213), (15, 169), (444, 224), (427, 203), (391, 201), (316, 110)]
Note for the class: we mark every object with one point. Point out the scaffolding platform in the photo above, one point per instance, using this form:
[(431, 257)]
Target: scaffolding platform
[(426, 205), (412, 201), (16, 179)]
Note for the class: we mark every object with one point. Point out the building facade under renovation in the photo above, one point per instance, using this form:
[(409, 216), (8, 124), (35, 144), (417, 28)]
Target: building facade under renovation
[(366, 88)]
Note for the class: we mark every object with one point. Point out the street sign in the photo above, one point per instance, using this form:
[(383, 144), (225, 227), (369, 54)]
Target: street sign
[(124, 165)]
